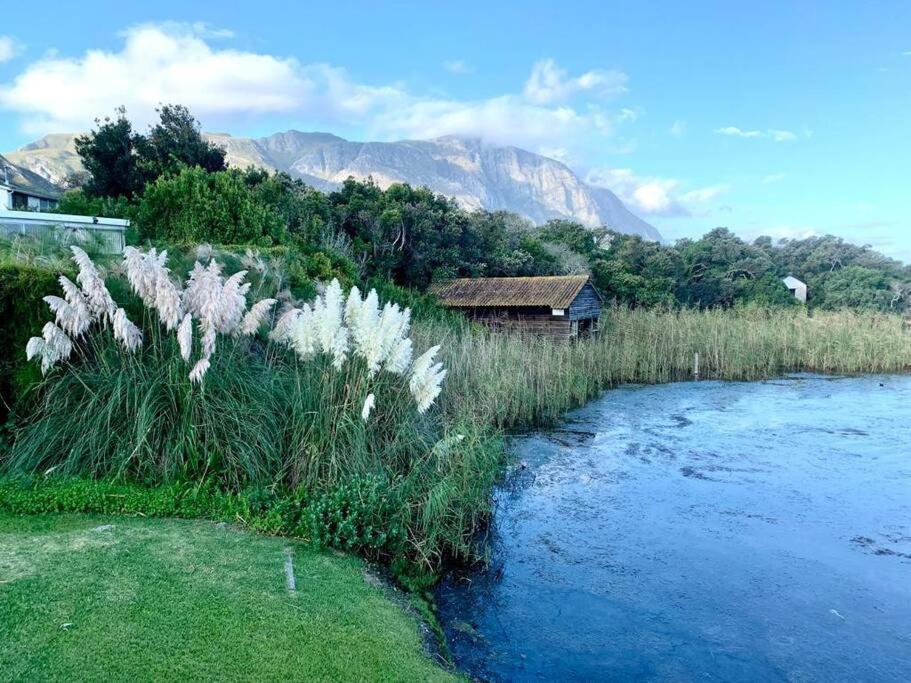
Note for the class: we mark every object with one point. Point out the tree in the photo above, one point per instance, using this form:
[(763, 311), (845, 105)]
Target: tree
[(120, 162), (112, 155), (176, 141)]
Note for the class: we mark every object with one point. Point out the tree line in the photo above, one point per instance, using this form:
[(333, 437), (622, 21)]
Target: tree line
[(176, 187)]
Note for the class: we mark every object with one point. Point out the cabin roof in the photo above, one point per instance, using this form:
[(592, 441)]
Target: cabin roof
[(557, 291)]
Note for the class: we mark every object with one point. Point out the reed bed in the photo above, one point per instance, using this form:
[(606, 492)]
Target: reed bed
[(515, 381)]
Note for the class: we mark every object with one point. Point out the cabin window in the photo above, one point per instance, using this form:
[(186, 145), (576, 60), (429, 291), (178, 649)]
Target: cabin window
[(558, 311)]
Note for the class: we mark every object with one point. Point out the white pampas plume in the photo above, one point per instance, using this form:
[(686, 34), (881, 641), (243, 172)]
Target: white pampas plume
[(368, 406), (141, 273), (96, 294), (52, 347), (208, 340), (202, 296), (379, 338), (302, 335), (400, 357), (74, 320), (426, 378), (167, 301), (255, 316), (353, 307), (150, 279), (34, 347), (199, 370), (251, 260), (185, 337), (75, 298), (281, 333), (205, 252), (331, 334), (233, 303), (126, 332)]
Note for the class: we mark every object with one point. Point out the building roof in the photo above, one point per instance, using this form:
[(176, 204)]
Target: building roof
[(27, 182), (555, 291), (791, 280)]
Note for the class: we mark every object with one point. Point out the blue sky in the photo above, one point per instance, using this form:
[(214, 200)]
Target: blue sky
[(782, 118)]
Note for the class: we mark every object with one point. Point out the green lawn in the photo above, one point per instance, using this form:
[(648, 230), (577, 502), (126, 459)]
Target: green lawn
[(169, 599)]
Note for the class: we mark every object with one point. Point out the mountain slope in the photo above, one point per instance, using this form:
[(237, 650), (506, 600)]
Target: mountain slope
[(475, 173)]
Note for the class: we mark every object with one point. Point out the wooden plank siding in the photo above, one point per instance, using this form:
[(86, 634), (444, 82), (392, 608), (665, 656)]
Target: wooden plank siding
[(539, 321), (587, 304)]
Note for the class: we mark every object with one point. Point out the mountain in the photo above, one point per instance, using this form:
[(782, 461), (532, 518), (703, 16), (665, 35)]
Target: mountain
[(477, 174)]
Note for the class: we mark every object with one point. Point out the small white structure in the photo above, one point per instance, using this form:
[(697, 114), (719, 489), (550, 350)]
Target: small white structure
[(797, 288), (107, 235)]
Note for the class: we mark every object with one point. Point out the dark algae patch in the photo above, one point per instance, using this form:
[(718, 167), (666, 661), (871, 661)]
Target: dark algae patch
[(707, 531)]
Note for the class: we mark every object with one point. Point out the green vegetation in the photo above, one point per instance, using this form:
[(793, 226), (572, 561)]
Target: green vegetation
[(89, 597), (515, 382)]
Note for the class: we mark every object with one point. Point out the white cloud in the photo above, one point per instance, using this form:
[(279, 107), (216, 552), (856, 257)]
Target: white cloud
[(906, 53), (457, 66), (781, 135), (773, 178), (780, 232), (158, 64), (548, 83), (703, 194), (735, 131), (9, 48), (179, 63), (652, 195), (627, 115), (774, 134), (677, 129)]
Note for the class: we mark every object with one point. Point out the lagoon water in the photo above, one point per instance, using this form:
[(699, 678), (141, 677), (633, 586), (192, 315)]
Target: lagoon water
[(710, 531)]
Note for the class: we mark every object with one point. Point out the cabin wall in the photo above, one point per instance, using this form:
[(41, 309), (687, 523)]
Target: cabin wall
[(537, 321), (586, 305)]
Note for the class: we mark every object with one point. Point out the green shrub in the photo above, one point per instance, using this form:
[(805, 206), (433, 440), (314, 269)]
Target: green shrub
[(196, 206), (359, 514)]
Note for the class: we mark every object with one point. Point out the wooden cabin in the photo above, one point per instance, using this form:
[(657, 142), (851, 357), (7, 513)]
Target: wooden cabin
[(560, 307)]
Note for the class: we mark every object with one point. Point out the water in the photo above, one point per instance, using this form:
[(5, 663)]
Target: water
[(712, 531)]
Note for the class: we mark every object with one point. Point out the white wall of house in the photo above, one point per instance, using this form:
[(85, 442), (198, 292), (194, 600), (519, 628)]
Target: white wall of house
[(796, 287)]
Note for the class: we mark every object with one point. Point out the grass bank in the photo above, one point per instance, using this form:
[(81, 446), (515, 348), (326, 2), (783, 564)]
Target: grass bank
[(94, 597), (518, 382)]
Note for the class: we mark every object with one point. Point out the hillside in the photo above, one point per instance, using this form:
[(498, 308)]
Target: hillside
[(475, 173)]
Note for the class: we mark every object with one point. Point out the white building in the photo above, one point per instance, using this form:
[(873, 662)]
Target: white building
[(24, 190), (797, 288)]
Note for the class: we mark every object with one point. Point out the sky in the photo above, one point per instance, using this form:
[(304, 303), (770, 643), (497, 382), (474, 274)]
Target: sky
[(787, 118)]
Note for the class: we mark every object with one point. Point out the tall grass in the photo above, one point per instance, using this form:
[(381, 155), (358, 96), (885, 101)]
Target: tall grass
[(514, 381)]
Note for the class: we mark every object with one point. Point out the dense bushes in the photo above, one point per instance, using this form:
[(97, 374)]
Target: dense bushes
[(196, 206), (22, 312)]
